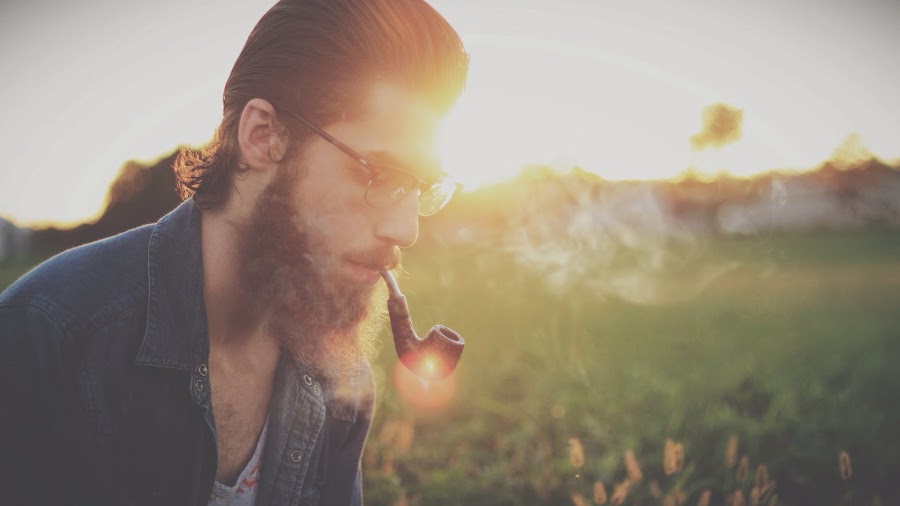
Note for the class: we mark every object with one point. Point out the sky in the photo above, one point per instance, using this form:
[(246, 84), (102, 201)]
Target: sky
[(618, 88)]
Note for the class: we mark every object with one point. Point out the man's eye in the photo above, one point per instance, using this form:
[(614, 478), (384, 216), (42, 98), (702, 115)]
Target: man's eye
[(361, 174), (394, 178), (397, 193)]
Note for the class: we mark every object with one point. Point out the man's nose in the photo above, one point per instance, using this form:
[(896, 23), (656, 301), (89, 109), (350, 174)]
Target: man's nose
[(399, 222)]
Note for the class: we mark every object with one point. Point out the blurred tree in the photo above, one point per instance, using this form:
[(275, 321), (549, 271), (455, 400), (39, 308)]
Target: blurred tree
[(721, 126), (140, 194)]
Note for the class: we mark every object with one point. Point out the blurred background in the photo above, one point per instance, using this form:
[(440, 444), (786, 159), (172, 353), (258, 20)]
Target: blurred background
[(676, 262)]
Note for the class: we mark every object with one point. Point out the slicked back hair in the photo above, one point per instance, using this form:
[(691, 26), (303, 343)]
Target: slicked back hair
[(315, 56)]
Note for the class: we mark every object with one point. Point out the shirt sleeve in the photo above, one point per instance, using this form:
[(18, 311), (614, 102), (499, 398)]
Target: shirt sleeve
[(31, 385)]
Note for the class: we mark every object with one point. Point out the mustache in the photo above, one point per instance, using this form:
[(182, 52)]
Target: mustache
[(376, 259)]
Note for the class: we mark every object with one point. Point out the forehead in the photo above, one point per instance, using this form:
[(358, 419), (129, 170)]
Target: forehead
[(394, 126)]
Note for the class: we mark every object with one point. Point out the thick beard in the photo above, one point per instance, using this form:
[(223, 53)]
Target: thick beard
[(327, 324)]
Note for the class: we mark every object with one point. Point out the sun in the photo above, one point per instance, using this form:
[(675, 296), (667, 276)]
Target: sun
[(597, 110)]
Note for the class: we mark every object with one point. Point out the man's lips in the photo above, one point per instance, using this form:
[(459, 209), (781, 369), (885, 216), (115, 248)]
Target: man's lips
[(363, 273), (389, 260), (366, 267)]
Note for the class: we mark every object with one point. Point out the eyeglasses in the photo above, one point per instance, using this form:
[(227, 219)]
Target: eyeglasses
[(388, 184)]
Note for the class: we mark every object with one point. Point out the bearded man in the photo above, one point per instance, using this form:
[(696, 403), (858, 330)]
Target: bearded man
[(219, 355)]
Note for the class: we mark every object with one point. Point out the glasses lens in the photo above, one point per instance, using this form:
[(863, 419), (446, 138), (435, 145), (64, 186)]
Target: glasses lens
[(390, 185), (435, 198)]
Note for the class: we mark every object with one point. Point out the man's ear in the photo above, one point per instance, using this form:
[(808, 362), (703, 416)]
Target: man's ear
[(259, 136)]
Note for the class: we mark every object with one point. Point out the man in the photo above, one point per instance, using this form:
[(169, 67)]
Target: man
[(218, 356)]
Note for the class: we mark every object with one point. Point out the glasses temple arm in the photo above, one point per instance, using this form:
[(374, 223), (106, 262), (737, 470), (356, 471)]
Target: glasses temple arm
[(328, 137)]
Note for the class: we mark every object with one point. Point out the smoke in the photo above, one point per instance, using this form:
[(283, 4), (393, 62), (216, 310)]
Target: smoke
[(620, 241), (721, 126)]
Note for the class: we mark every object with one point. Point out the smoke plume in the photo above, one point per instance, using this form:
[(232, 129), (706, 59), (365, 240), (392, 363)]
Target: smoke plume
[(624, 242)]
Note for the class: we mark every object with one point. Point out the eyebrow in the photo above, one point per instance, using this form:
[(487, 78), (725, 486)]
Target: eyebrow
[(425, 170)]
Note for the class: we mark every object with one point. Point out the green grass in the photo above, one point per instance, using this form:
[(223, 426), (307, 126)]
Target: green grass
[(790, 347), (11, 270)]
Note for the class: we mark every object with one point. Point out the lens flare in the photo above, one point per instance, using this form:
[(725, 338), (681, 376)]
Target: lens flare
[(429, 364), (421, 393)]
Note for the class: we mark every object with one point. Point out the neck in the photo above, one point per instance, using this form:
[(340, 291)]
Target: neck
[(233, 324)]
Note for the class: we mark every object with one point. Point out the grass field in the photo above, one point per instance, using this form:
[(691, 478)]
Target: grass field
[(789, 351)]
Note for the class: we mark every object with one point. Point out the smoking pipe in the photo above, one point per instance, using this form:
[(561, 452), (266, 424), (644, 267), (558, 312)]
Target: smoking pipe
[(433, 357)]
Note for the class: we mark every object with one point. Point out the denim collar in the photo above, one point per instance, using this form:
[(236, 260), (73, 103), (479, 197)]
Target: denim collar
[(176, 336)]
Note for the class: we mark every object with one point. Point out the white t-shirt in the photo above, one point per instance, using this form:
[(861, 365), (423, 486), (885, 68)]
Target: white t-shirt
[(243, 493)]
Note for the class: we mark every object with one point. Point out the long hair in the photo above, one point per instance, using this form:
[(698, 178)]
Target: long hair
[(314, 55)]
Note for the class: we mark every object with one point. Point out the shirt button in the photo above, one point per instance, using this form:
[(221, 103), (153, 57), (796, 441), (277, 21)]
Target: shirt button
[(317, 389), (199, 385), (307, 379), (296, 456), (203, 370)]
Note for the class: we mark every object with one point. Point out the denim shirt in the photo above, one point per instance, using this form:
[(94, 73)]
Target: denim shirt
[(105, 392)]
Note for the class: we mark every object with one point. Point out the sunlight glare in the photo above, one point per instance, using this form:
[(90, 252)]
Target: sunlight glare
[(605, 113), (420, 393)]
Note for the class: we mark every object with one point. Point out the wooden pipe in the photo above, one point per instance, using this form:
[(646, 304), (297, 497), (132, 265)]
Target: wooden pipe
[(433, 357)]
